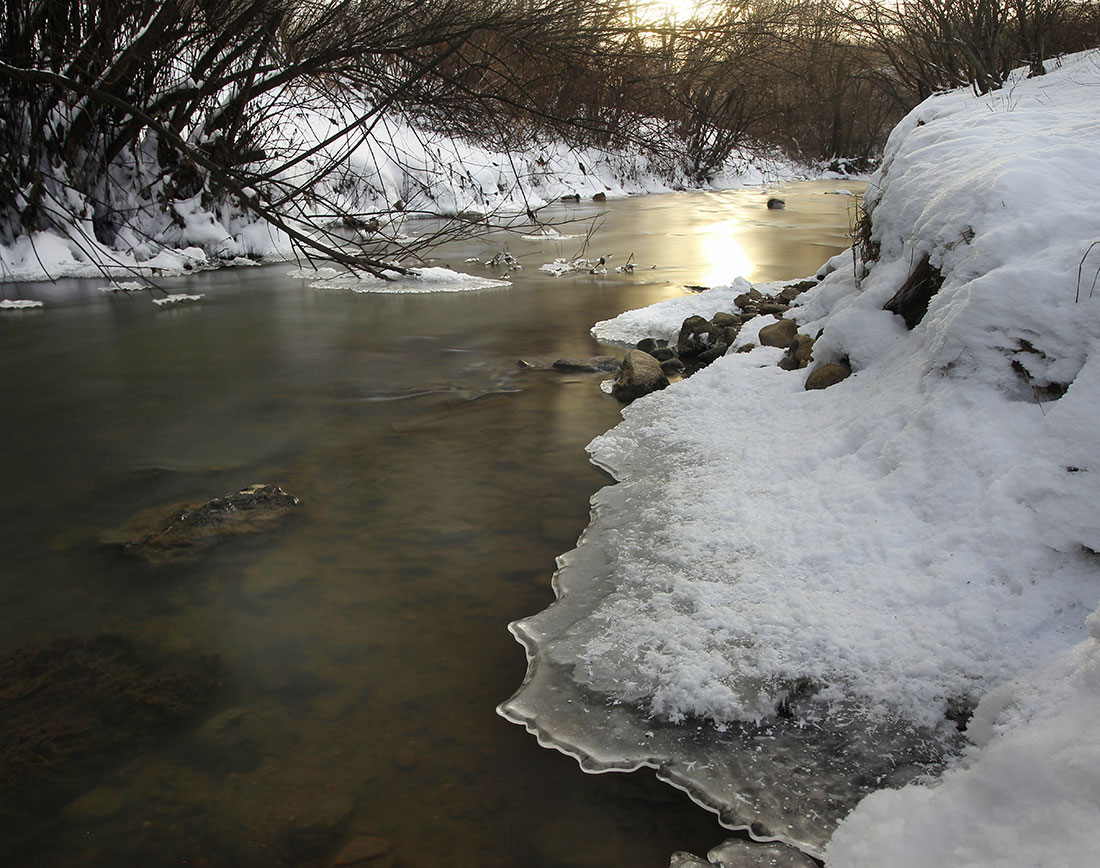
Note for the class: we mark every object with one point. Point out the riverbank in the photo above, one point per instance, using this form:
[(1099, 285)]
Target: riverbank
[(391, 180), (909, 552)]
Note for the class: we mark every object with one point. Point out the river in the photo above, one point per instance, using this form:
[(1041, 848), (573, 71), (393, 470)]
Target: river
[(364, 644)]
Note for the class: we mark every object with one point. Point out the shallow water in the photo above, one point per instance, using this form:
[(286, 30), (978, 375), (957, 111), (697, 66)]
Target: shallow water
[(365, 642)]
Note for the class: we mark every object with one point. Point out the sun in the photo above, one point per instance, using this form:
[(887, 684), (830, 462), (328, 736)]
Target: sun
[(676, 11)]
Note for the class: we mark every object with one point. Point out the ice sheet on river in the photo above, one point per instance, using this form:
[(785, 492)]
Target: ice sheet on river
[(417, 280), (789, 595)]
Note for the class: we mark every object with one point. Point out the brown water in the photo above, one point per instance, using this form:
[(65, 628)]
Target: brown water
[(365, 643)]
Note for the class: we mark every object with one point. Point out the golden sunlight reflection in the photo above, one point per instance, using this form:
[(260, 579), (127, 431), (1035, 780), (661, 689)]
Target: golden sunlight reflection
[(722, 256)]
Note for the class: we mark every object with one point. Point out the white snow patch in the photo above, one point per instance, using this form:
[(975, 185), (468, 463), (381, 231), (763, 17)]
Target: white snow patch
[(418, 280), (18, 303), (173, 299)]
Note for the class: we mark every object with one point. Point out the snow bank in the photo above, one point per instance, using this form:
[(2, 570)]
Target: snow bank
[(1029, 796), (388, 177), (893, 547)]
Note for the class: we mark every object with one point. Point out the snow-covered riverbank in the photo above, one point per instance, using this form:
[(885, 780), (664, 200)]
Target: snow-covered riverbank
[(916, 540), (387, 179)]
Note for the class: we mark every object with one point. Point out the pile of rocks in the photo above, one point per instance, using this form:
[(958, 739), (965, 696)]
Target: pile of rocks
[(701, 341)]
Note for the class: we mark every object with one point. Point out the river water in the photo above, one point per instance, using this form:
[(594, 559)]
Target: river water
[(364, 643)]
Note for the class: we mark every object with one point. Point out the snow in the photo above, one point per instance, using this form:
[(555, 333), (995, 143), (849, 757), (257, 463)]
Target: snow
[(18, 303), (917, 537), (398, 173), (174, 299), (418, 280)]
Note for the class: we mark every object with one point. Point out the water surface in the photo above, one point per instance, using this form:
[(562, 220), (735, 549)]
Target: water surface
[(364, 643)]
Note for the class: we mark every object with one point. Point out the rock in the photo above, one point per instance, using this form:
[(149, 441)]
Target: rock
[(238, 739), (779, 334), (193, 528), (773, 307), (746, 348), (725, 320), (672, 367), (801, 350), (362, 849), (792, 290), (572, 197), (599, 197), (639, 375), (696, 336), (715, 352), (647, 345), (730, 333), (827, 375), (593, 365), (663, 354), (776, 204), (74, 707), (97, 804), (315, 825), (788, 363)]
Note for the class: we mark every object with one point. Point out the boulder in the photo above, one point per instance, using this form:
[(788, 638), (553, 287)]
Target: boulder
[(779, 334), (697, 335), (776, 204), (672, 367), (827, 375), (594, 365), (715, 352), (190, 529), (647, 345), (725, 320), (599, 197), (639, 375), (772, 307), (663, 354)]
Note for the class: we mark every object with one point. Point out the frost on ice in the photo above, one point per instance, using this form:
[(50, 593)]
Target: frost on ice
[(792, 598)]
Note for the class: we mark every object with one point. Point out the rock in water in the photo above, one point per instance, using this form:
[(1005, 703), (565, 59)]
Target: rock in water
[(594, 365), (191, 529), (363, 849), (639, 375)]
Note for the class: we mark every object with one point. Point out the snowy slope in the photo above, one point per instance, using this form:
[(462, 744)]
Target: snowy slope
[(395, 172), (912, 537)]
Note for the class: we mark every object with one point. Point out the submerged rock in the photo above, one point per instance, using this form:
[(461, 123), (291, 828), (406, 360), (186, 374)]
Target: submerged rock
[(189, 529), (76, 705), (594, 365), (363, 849), (639, 375)]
